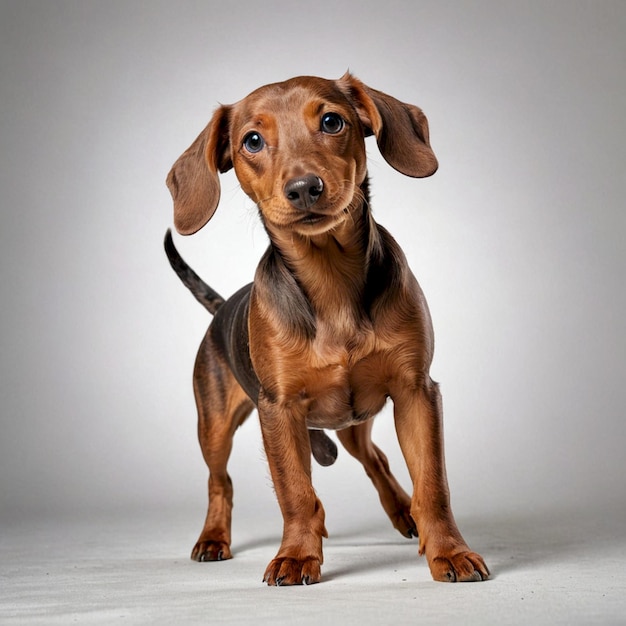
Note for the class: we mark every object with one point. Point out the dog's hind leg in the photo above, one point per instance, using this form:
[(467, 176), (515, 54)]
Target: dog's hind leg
[(357, 440), (222, 407)]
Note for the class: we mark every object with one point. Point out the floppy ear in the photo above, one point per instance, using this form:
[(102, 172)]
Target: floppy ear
[(401, 129), (193, 180)]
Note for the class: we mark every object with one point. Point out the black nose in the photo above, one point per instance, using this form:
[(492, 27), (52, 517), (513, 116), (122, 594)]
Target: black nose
[(304, 191)]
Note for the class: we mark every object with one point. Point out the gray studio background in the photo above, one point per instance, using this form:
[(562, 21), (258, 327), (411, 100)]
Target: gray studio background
[(518, 242)]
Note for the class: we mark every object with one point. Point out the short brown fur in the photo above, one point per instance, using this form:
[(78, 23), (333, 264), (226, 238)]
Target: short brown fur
[(333, 325)]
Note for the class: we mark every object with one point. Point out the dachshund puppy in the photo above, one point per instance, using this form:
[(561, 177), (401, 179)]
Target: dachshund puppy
[(333, 325)]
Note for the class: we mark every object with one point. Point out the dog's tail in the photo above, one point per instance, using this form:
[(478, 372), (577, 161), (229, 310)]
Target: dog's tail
[(207, 297)]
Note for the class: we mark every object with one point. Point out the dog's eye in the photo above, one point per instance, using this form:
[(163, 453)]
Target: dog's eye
[(332, 123), (253, 142)]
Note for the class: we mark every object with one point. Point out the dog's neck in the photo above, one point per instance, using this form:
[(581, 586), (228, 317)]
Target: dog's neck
[(332, 268)]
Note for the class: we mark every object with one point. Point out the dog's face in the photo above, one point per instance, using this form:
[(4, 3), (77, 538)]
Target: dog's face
[(301, 136), (299, 130)]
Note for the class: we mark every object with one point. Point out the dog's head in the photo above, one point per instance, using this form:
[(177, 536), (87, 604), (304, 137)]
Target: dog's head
[(298, 151)]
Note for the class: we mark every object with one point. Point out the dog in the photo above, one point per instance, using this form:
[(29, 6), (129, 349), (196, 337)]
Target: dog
[(333, 325)]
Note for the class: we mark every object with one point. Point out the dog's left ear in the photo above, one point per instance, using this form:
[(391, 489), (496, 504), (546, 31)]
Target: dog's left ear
[(401, 129), (193, 180)]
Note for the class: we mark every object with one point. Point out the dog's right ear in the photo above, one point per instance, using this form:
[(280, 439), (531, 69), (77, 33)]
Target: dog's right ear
[(193, 180)]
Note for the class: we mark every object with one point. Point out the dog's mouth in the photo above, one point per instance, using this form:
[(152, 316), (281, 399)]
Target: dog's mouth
[(313, 224), (324, 217), (312, 219)]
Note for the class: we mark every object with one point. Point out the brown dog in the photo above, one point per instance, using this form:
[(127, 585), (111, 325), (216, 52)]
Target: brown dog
[(333, 324)]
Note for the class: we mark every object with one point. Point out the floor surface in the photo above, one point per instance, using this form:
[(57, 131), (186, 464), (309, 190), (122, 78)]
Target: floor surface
[(548, 568)]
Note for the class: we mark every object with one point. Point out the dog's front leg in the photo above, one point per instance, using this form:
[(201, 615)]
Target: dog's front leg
[(419, 424), (288, 451)]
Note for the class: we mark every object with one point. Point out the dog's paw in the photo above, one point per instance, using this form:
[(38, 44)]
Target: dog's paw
[(403, 523), (287, 571), (462, 567), (211, 551)]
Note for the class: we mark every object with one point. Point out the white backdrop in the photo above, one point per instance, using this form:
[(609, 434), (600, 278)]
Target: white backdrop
[(518, 241)]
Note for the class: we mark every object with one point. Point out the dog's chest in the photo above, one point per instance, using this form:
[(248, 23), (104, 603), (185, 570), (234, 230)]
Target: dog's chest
[(342, 381)]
